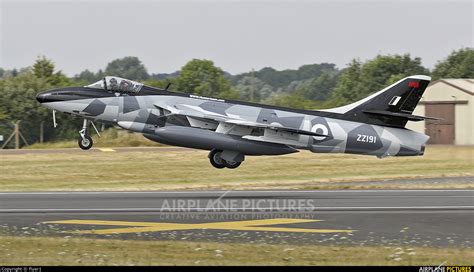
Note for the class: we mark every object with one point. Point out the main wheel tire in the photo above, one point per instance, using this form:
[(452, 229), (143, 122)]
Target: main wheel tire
[(85, 143), (216, 160), (232, 165)]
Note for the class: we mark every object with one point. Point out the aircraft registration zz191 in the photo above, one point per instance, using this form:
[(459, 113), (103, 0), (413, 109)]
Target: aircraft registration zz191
[(232, 129)]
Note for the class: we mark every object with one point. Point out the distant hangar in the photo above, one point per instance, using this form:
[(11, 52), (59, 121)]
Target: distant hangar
[(453, 101)]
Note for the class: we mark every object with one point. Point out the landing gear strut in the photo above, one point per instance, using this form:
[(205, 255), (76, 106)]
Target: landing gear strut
[(218, 162), (85, 141)]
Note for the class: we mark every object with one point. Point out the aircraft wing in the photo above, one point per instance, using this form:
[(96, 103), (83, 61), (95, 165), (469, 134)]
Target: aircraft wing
[(191, 111), (273, 126), (195, 112)]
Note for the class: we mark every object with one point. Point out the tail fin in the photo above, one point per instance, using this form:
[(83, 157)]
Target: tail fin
[(392, 106)]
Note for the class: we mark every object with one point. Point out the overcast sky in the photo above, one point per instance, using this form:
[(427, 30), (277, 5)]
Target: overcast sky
[(236, 35)]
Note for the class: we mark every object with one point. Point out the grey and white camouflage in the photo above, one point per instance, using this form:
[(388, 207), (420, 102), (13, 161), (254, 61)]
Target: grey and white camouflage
[(233, 129)]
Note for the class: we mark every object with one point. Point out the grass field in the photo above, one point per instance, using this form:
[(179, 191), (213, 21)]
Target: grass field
[(109, 138), (191, 170), (82, 251)]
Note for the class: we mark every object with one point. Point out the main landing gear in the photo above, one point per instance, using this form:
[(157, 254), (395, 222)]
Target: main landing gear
[(85, 141), (218, 162)]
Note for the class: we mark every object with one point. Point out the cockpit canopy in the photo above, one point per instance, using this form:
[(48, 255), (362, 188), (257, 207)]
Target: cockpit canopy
[(116, 84)]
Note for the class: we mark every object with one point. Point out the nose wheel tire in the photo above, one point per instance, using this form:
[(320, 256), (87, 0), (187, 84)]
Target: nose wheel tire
[(85, 143), (216, 160)]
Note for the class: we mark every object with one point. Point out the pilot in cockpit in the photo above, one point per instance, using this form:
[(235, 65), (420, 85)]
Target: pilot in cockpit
[(113, 84)]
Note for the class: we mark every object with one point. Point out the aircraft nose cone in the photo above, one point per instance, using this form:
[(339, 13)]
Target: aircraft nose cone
[(44, 97), (40, 97)]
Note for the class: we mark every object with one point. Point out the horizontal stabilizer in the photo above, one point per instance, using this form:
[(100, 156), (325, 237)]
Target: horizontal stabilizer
[(407, 116)]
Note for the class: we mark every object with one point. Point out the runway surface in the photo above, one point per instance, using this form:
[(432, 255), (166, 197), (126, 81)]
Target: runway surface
[(386, 217)]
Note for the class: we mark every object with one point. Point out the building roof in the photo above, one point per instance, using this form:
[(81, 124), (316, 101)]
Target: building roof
[(463, 84)]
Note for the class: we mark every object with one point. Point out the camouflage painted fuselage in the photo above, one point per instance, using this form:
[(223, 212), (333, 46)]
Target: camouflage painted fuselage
[(162, 117)]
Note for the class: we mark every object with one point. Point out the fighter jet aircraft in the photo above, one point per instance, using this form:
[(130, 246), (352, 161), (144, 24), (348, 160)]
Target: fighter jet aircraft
[(231, 129)]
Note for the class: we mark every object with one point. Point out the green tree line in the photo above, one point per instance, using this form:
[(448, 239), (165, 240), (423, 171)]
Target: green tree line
[(310, 86)]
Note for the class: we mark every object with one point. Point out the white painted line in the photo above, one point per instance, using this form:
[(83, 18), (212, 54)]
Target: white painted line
[(308, 209)]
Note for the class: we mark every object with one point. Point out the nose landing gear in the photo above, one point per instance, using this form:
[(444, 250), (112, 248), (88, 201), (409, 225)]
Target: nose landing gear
[(85, 141)]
